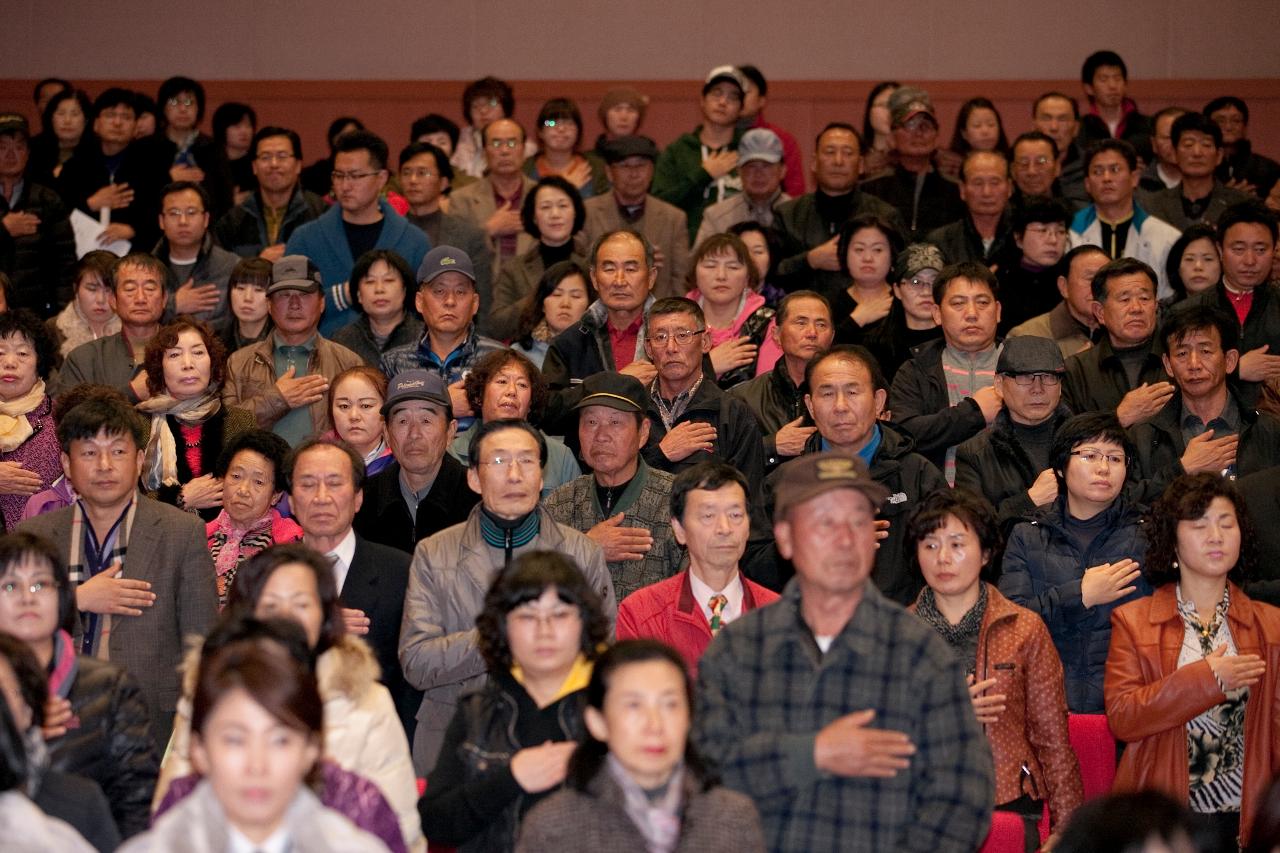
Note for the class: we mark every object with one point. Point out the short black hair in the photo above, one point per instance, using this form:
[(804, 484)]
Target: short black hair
[(391, 258), (358, 473), (1173, 263), (336, 129), (756, 77), (434, 123), (1077, 252), (1252, 212), (267, 444), (114, 97), (525, 579), (19, 547), (363, 140), (270, 131), (784, 304), (1190, 122), (174, 187), (534, 313), (1039, 208), (102, 415), (1117, 268), (708, 476), (1075, 431), (675, 305), (1187, 498), (1223, 101), (837, 125), (47, 81), (972, 270), (20, 321), (1185, 319), (850, 352), (561, 108), (868, 220), (772, 240), (489, 87), (231, 113), (1063, 96), (77, 95), (529, 206), (1099, 59), (1035, 136), (175, 86), (1120, 146), (413, 149), (488, 428), (970, 509), (649, 250)]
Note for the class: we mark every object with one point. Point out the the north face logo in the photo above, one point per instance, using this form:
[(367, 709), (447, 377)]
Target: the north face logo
[(898, 498)]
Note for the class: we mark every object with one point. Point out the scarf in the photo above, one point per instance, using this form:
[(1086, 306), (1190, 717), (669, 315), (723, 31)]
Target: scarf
[(230, 544), (160, 463), (670, 414), (963, 636), (97, 634), (14, 426), (655, 814), (64, 666)]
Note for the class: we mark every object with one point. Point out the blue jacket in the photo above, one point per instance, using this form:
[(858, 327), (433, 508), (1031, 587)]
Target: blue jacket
[(324, 241), (1042, 572)]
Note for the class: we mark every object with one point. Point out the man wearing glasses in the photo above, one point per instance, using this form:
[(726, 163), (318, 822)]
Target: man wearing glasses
[(187, 248), (361, 220), (493, 202), (690, 419), (452, 571), (262, 223), (1008, 462)]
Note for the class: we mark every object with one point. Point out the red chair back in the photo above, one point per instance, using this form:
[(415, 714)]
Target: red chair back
[(1095, 748), (1008, 834)]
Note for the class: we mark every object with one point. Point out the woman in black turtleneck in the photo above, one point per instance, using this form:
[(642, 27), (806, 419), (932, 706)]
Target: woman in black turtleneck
[(553, 213)]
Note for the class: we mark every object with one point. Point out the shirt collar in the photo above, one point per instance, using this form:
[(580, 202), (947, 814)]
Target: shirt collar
[(308, 345), (278, 842), (342, 556), (1230, 416), (733, 592)]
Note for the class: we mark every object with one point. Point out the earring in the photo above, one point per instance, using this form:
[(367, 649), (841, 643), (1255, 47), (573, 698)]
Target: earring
[(1175, 564)]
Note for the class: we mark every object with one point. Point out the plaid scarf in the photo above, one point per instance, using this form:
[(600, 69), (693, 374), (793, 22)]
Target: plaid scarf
[(88, 557)]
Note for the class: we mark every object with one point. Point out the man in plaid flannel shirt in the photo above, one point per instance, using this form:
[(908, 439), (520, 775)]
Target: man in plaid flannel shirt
[(846, 719)]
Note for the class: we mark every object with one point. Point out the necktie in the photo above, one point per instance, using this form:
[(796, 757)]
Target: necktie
[(717, 604)]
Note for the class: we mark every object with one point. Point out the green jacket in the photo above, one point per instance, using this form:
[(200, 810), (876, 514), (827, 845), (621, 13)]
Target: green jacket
[(679, 178)]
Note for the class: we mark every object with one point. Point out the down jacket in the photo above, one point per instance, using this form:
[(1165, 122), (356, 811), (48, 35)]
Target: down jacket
[(111, 741), (362, 732), (919, 402), (994, 465), (1042, 572)]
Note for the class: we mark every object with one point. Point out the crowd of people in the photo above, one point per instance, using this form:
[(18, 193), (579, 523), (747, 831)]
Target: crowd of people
[(521, 494)]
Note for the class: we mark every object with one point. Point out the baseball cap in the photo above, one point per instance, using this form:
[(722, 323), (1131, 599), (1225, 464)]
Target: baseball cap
[(725, 74), (818, 473), (918, 257), (443, 259), (15, 123), (617, 150), (908, 101), (1030, 354), (417, 385), (759, 143), (295, 272), (615, 390)]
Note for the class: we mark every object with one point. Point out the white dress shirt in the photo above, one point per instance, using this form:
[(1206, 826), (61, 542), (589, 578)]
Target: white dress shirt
[(733, 592), (278, 842), (342, 557)]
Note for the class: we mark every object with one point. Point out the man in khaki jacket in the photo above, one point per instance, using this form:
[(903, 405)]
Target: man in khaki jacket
[(284, 379)]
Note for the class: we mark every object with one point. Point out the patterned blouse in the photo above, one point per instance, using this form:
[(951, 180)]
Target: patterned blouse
[(1215, 739)]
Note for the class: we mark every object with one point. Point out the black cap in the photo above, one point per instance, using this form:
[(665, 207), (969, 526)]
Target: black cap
[(1030, 354), (617, 150), (615, 390), (417, 385)]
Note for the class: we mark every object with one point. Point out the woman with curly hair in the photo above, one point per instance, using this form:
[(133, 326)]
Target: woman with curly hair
[(29, 449), (1191, 680), (509, 743)]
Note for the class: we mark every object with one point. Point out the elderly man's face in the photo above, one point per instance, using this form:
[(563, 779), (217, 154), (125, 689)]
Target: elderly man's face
[(419, 432), (831, 541)]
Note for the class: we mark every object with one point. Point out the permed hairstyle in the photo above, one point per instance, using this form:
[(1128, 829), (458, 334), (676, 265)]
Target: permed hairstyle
[(266, 444), (167, 338), (490, 365), (970, 509), (24, 324), (1186, 499), (526, 578)]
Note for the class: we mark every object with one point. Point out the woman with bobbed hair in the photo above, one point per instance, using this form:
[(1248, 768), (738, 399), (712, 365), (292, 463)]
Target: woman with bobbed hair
[(553, 214), (384, 288), (508, 744), (29, 449), (564, 294), (726, 283), (505, 385), (559, 130), (637, 782), (90, 314), (257, 734), (356, 396), (362, 732), (186, 366), (866, 249), (234, 124), (1191, 680), (1194, 264)]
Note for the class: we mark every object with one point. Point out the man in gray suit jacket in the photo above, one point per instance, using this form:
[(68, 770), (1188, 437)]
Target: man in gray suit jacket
[(144, 578)]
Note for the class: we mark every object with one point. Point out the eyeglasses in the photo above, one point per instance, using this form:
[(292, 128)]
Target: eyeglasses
[(1093, 457), (503, 143), (178, 213), (339, 177), (276, 156), (919, 283), (1024, 162), (1049, 380), (1043, 230), (506, 463), (418, 173), (478, 103), (10, 589), (682, 336), (181, 102), (555, 122)]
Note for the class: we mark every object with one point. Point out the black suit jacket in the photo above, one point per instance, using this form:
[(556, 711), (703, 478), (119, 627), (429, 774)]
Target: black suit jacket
[(376, 583), (384, 518)]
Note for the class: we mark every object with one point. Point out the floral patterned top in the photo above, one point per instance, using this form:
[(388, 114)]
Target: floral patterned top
[(1215, 738)]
